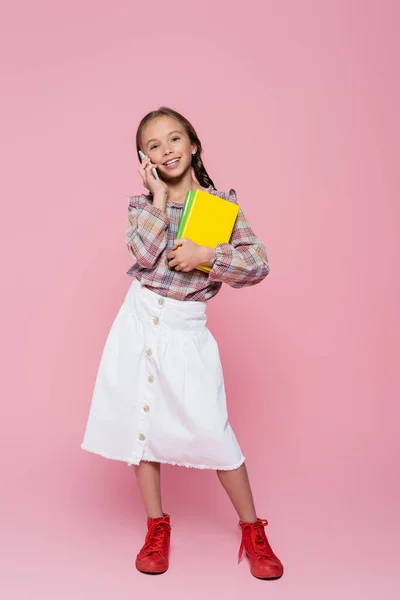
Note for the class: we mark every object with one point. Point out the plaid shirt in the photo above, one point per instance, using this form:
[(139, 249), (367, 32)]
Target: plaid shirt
[(150, 237)]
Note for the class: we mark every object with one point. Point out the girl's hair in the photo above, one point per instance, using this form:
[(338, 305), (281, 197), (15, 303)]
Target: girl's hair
[(197, 164)]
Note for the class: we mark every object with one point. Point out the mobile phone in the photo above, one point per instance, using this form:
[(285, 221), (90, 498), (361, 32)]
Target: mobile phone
[(154, 170)]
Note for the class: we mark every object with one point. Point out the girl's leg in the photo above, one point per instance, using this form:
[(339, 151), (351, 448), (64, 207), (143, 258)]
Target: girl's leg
[(237, 486), (148, 479), (264, 563), (154, 554)]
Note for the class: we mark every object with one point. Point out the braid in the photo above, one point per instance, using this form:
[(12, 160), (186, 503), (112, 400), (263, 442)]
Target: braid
[(200, 171)]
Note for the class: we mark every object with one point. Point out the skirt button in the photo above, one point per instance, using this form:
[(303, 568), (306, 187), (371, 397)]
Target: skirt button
[(141, 437), (155, 320), (146, 408)]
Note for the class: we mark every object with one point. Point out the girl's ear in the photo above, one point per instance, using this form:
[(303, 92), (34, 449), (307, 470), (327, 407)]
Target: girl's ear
[(194, 149)]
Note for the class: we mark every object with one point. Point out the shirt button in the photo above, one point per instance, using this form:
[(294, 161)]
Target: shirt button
[(150, 379), (149, 352), (141, 437), (146, 408), (155, 320), (161, 301)]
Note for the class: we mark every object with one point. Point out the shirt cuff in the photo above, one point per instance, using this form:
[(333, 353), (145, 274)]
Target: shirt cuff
[(221, 261)]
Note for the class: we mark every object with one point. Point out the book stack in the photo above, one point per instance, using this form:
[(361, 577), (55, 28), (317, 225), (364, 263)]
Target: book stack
[(207, 220)]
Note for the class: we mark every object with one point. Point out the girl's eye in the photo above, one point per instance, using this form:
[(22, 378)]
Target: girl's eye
[(156, 145)]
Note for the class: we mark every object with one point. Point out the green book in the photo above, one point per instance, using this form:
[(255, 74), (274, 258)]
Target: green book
[(185, 211)]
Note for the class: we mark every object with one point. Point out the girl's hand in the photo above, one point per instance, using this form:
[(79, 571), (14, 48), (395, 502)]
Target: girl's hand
[(189, 256), (155, 186)]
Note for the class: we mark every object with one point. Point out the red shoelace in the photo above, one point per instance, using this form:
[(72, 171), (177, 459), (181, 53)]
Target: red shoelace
[(258, 538), (155, 538)]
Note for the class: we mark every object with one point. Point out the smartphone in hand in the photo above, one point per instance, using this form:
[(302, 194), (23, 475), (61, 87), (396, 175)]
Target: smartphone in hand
[(154, 170)]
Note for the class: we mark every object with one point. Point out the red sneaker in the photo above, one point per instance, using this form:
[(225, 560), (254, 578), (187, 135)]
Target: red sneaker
[(153, 557), (264, 564)]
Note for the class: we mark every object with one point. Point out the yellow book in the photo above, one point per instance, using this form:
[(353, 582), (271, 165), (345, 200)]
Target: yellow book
[(207, 220)]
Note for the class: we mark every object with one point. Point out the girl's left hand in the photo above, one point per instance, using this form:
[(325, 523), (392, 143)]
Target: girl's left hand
[(189, 256)]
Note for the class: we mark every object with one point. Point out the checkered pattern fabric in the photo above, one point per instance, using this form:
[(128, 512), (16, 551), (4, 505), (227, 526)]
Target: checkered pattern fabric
[(150, 237)]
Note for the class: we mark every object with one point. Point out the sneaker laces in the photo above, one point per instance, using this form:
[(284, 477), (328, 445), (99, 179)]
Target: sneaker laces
[(155, 538), (259, 541)]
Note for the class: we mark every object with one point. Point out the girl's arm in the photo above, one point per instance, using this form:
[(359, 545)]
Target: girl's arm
[(146, 234), (243, 262)]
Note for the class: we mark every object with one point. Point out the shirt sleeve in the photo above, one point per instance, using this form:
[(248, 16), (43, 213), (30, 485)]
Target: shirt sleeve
[(146, 233), (243, 262)]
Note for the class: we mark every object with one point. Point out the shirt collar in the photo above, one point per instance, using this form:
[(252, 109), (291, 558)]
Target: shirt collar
[(180, 204)]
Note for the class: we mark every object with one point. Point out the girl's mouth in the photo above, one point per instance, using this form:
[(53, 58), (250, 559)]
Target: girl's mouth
[(172, 164)]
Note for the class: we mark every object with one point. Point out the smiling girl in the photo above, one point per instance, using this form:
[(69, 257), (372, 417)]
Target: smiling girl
[(159, 395)]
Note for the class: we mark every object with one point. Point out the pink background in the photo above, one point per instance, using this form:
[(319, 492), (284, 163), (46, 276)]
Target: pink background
[(297, 106)]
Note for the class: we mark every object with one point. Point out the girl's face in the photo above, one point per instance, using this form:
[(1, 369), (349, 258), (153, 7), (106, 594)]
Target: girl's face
[(165, 141)]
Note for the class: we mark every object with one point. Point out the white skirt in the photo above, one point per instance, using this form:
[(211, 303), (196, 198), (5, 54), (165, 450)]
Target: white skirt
[(159, 393)]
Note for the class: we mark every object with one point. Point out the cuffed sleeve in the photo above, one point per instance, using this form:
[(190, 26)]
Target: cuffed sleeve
[(146, 233), (243, 262)]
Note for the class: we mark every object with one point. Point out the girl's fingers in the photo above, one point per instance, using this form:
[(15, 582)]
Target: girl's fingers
[(143, 165), (151, 181), (149, 177), (178, 265), (144, 162), (143, 171), (145, 178), (148, 170), (178, 243)]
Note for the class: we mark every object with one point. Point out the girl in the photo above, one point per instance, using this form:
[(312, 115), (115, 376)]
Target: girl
[(159, 394)]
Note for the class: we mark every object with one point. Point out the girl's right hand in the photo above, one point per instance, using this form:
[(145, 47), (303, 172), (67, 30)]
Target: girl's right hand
[(155, 186)]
